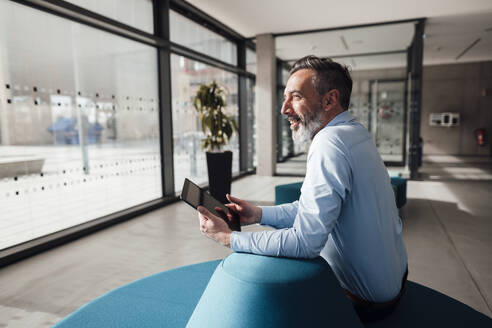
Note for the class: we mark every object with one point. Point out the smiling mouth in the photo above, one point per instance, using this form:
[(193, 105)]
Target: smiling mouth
[(294, 121)]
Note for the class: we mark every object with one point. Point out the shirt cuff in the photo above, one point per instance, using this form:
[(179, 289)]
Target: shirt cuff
[(268, 215), (240, 241)]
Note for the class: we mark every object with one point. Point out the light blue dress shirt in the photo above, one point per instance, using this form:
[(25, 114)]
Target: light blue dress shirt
[(346, 214)]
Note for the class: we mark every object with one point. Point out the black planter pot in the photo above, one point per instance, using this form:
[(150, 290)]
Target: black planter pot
[(219, 174)]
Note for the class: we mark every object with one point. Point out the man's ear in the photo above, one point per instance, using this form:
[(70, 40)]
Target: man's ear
[(330, 99)]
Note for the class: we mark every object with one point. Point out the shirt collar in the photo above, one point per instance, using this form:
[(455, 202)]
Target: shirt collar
[(343, 117)]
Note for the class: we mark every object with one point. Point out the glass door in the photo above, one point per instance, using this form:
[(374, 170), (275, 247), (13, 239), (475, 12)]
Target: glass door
[(387, 119)]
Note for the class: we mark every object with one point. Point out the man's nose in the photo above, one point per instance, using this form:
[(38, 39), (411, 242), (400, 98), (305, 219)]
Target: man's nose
[(285, 107)]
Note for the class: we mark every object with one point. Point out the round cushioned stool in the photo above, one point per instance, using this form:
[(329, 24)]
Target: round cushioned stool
[(399, 185), (287, 193), (258, 291)]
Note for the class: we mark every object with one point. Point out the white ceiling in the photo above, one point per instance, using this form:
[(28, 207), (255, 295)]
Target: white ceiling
[(449, 36), (343, 43), (452, 25), (374, 62)]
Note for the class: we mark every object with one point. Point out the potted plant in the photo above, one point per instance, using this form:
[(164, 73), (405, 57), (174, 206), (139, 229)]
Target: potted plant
[(218, 128)]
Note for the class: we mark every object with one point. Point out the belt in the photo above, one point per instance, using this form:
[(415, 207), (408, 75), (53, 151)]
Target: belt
[(375, 305)]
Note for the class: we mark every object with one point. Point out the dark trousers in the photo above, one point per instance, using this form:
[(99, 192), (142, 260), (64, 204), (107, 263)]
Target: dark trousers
[(370, 311)]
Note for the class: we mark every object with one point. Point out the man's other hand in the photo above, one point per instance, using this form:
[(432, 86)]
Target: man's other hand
[(214, 227), (248, 214)]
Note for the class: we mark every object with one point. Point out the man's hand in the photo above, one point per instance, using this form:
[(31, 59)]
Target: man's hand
[(248, 214), (214, 227)]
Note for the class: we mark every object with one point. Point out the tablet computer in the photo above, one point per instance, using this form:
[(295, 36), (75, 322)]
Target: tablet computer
[(195, 196)]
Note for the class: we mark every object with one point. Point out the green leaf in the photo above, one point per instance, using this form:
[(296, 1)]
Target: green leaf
[(228, 130)]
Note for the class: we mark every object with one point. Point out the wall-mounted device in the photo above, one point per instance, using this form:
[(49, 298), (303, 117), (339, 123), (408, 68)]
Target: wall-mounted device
[(444, 119)]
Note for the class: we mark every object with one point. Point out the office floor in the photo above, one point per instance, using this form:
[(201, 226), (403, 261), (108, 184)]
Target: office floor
[(447, 231)]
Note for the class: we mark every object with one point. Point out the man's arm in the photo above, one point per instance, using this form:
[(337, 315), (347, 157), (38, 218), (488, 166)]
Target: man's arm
[(216, 229), (305, 239), (280, 216), (328, 181)]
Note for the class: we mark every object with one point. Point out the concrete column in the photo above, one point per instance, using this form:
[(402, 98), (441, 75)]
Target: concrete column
[(266, 121)]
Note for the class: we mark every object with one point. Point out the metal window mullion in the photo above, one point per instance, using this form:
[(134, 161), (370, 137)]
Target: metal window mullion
[(416, 61), (161, 28), (348, 27), (243, 108)]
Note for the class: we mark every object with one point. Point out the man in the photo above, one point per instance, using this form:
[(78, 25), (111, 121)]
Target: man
[(346, 212)]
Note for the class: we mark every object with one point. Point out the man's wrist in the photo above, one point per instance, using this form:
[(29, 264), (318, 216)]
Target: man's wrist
[(259, 214), (226, 240)]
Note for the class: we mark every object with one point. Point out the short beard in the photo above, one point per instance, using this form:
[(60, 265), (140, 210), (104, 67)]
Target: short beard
[(307, 128)]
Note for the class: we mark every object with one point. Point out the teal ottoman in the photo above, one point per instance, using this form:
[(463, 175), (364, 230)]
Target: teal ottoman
[(249, 290), (166, 299), (287, 193), (399, 185)]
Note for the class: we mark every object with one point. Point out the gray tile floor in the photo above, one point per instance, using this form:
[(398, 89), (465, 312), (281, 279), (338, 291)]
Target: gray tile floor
[(447, 231)]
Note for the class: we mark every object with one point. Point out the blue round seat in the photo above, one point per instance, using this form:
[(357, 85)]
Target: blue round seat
[(258, 291), (170, 298), (399, 185), (287, 193), (166, 299)]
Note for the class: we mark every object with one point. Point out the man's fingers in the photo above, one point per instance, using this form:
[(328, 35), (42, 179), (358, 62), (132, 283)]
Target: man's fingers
[(223, 214), (234, 207), (204, 212), (234, 199), (207, 214)]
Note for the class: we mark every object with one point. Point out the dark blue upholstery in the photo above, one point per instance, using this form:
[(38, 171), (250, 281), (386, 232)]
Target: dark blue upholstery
[(287, 193), (421, 306)]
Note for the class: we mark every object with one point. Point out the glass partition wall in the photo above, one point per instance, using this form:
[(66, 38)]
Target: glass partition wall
[(379, 103), (79, 124), (81, 113)]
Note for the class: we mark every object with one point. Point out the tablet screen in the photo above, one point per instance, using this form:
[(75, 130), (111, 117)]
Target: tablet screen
[(196, 196)]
